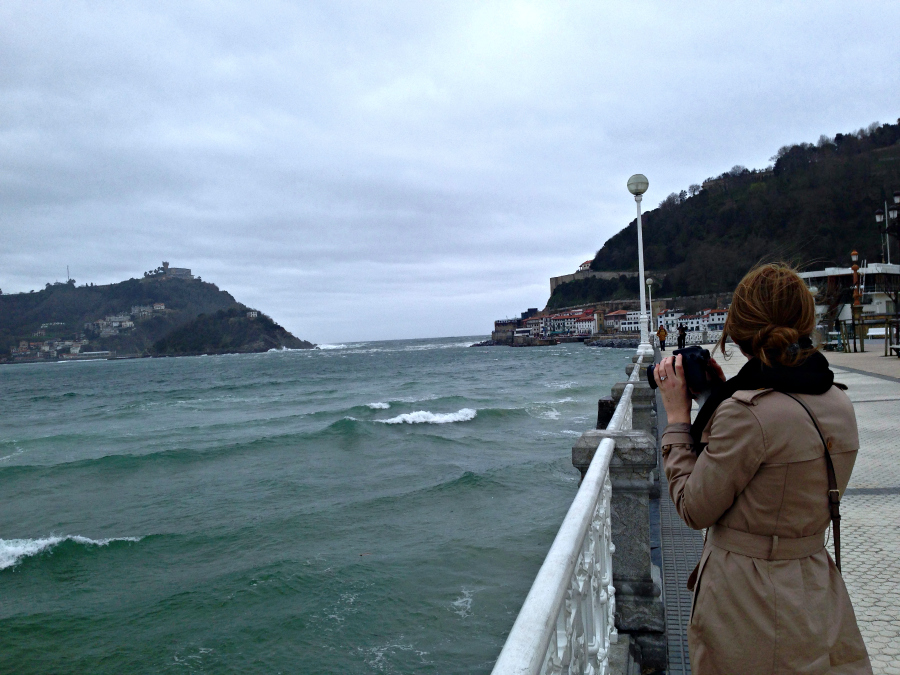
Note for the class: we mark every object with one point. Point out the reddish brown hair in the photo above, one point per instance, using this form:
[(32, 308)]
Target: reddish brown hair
[(771, 310)]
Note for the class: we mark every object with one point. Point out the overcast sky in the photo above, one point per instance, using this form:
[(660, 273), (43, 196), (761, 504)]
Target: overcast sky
[(376, 170)]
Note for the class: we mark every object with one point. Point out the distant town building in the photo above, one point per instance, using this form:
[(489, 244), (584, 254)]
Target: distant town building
[(252, 314), (613, 320), (631, 323), (585, 266), (158, 306)]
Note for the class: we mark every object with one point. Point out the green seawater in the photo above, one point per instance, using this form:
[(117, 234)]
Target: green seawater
[(373, 508)]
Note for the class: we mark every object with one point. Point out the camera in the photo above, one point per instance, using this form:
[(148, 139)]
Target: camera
[(695, 362)]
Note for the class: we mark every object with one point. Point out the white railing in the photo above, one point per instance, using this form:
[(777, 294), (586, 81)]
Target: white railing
[(693, 337), (566, 624)]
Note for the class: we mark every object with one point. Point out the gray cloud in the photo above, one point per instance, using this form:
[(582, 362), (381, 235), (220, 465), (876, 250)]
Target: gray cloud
[(396, 169)]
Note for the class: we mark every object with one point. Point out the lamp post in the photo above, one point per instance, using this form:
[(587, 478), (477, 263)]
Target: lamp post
[(650, 301), (855, 307), (892, 226), (637, 185)]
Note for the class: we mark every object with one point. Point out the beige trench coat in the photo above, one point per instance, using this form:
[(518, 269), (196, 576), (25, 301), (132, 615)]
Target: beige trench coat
[(768, 597)]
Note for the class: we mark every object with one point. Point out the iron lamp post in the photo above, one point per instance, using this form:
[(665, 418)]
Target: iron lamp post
[(855, 307), (650, 301), (637, 185), (891, 225)]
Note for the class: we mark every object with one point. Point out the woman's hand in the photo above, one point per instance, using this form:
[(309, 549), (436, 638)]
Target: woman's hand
[(717, 369), (669, 376)]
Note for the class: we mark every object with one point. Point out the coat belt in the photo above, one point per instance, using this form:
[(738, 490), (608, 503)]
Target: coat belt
[(763, 546)]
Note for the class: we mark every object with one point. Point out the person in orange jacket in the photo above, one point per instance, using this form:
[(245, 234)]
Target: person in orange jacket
[(662, 334)]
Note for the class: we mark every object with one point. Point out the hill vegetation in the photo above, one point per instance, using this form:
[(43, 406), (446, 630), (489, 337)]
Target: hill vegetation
[(227, 331), (813, 206), (66, 312)]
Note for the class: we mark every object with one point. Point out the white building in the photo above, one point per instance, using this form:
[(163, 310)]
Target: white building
[(669, 318), (632, 323), (585, 324), (874, 280)]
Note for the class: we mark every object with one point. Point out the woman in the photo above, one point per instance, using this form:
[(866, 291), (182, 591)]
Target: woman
[(753, 469)]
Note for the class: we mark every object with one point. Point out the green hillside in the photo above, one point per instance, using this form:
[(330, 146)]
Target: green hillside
[(812, 207), (227, 331), (62, 312)]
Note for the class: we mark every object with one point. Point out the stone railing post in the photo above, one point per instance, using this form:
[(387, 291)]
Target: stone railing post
[(632, 470), (639, 608)]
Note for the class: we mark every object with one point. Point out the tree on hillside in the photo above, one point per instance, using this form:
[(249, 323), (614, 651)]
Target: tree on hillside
[(812, 207)]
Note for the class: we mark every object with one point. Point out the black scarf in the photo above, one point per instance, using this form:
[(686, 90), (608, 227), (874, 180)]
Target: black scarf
[(813, 376)]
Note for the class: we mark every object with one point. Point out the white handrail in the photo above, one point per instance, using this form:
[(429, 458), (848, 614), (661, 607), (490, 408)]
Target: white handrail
[(566, 623)]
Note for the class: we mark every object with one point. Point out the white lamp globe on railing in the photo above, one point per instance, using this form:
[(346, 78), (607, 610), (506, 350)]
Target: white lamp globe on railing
[(637, 185)]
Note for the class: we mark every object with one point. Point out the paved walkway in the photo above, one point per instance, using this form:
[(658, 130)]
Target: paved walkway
[(870, 509)]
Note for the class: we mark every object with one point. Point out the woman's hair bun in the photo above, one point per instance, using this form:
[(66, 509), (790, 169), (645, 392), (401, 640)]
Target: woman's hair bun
[(770, 311), (775, 339)]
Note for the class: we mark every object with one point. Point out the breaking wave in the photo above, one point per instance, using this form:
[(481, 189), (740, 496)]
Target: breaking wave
[(378, 405), (13, 551), (426, 417)]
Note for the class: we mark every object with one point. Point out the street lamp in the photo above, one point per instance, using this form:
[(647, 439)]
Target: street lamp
[(855, 307), (650, 301), (892, 226), (637, 185)]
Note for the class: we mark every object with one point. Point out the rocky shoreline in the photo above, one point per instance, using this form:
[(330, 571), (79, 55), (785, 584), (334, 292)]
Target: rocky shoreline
[(615, 343)]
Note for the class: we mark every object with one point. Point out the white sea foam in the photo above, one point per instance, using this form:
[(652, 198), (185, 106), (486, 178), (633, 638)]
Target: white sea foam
[(12, 551), (561, 385), (379, 405), (426, 417), (552, 414), (328, 347), (463, 604)]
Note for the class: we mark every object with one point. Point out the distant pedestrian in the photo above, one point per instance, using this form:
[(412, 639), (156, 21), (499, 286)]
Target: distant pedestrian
[(682, 336), (662, 334)]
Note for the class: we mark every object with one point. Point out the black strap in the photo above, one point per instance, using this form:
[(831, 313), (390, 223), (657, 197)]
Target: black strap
[(834, 495)]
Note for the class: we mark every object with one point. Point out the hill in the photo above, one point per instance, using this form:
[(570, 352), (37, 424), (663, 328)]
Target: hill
[(227, 331), (813, 206), (131, 318)]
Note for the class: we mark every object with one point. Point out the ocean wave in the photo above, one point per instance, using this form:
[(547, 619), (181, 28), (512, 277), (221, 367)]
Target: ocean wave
[(13, 551), (427, 417), (378, 405), (326, 348)]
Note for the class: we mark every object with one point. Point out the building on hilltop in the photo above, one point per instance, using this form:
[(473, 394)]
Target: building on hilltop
[(176, 272)]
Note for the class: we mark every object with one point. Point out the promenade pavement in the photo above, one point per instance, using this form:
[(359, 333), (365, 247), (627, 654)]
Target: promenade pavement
[(870, 508)]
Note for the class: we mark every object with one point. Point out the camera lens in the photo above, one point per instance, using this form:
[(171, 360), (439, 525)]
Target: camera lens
[(650, 379)]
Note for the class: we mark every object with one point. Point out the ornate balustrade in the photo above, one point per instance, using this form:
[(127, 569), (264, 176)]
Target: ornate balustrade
[(567, 623), (693, 337)]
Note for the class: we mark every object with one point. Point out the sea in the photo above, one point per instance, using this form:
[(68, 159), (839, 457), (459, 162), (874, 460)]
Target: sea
[(377, 507)]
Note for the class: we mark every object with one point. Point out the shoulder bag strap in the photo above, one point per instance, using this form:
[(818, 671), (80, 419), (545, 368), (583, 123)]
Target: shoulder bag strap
[(834, 495)]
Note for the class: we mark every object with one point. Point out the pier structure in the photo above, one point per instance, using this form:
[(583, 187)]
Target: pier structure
[(611, 596)]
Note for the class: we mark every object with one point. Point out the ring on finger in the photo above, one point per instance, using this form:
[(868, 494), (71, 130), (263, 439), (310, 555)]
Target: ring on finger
[(663, 378)]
